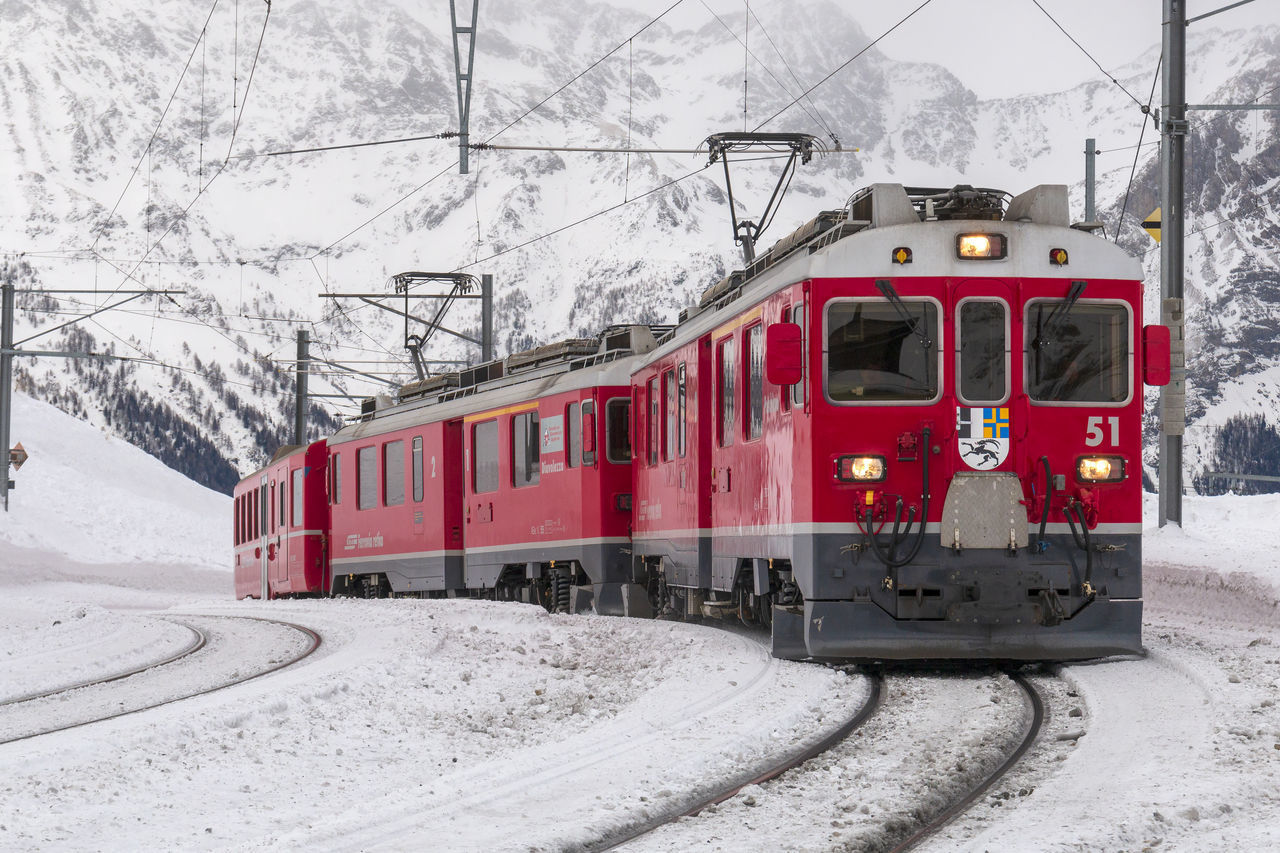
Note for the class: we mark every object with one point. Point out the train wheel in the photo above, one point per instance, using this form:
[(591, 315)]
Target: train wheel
[(764, 611)]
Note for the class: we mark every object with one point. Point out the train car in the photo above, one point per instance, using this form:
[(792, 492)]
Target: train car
[(510, 480), (281, 521), (918, 436)]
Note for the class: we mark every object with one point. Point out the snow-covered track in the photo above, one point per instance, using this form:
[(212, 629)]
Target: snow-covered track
[(1034, 722), (733, 788), (219, 663), (198, 642)]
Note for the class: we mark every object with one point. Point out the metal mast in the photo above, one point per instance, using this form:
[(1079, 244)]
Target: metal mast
[(463, 79), (6, 383)]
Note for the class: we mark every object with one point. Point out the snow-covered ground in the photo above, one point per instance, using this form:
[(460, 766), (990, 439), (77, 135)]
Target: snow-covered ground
[(480, 726)]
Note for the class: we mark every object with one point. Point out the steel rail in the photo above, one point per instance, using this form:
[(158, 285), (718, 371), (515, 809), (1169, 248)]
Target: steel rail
[(314, 644), (1029, 735), (869, 707), (197, 645)]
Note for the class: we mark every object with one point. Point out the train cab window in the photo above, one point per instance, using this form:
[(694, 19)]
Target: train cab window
[(726, 385), (669, 412), (297, 498), (589, 423), (879, 351), (417, 468), (617, 433), (366, 477), (335, 479), (1077, 353), (798, 390), (755, 381), (526, 447), (682, 415), (654, 425), (393, 473), (573, 425), (982, 358), (484, 456)]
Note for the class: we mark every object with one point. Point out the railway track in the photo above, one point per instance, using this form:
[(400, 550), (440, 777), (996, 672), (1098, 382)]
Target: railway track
[(1035, 721), (220, 666), (868, 708)]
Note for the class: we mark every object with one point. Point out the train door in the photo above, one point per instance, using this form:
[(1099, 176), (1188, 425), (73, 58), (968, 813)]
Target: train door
[(264, 536)]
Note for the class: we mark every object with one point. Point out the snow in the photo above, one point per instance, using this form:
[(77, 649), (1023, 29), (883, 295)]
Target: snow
[(469, 725)]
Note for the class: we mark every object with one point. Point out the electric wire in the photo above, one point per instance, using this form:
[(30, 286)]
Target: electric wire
[(1104, 71), (1137, 151)]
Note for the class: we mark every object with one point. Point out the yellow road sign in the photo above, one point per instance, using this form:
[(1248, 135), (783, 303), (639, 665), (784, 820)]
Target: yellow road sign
[(1152, 225)]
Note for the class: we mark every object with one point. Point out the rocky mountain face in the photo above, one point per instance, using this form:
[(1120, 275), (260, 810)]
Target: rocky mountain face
[(139, 151)]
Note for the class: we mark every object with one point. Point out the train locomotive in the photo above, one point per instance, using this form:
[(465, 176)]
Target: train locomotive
[(911, 430)]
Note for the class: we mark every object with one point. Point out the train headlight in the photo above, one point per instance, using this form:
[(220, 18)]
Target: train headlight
[(980, 246), (1100, 469), (861, 469)]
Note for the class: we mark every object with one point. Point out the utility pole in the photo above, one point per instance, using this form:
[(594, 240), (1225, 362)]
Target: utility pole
[(6, 384), (300, 402), (1173, 138), (1090, 155), (464, 78), (486, 317)]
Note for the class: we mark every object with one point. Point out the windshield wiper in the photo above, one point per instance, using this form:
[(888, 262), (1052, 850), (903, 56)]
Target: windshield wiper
[(1059, 315), (916, 325)]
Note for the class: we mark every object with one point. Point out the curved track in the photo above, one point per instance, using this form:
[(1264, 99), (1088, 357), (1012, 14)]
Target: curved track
[(864, 713), (1036, 705), (196, 645), (48, 704)]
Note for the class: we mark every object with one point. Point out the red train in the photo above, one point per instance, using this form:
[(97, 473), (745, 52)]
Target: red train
[(911, 430)]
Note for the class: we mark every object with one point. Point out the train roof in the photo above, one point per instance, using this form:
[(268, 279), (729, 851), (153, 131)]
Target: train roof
[(528, 375)]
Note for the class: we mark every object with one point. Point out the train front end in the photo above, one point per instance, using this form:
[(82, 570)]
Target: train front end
[(970, 460)]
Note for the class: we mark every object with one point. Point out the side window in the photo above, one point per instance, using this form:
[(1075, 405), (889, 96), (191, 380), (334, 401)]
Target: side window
[(393, 473), (271, 508), (617, 420), (589, 422), (682, 416), (573, 422), (724, 371), (297, 497), (417, 468), (283, 502), (335, 478), (366, 477), (484, 455), (262, 510), (669, 421), (983, 352), (526, 445), (655, 421), (798, 390), (755, 381)]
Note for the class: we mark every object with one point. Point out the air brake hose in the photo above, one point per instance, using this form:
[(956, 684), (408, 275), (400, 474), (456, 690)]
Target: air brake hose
[(1078, 510), (887, 558), (1044, 513)]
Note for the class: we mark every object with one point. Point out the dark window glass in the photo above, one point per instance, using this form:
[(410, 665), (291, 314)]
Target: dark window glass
[(669, 420), (526, 446), (393, 473), (283, 501), (797, 390), (417, 468), (654, 421), (335, 467), (981, 369), (274, 511), (262, 508), (725, 369), (755, 381), (617, 430), (684, 408), (877, 352), (366, 478), (297, 497), (588, 418), (573, 421), (484, 456), (1078, 354)]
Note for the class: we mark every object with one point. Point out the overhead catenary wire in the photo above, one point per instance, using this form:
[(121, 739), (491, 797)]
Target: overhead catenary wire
[(1083, 50), (1137, 151)]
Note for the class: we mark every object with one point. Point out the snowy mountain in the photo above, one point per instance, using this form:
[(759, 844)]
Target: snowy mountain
[(134, 155)]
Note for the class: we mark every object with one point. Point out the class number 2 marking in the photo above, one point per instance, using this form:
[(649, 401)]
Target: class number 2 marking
[(1093, 433)]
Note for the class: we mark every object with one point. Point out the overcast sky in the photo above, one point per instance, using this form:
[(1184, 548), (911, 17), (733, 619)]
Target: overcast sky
[(1009, 47)]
